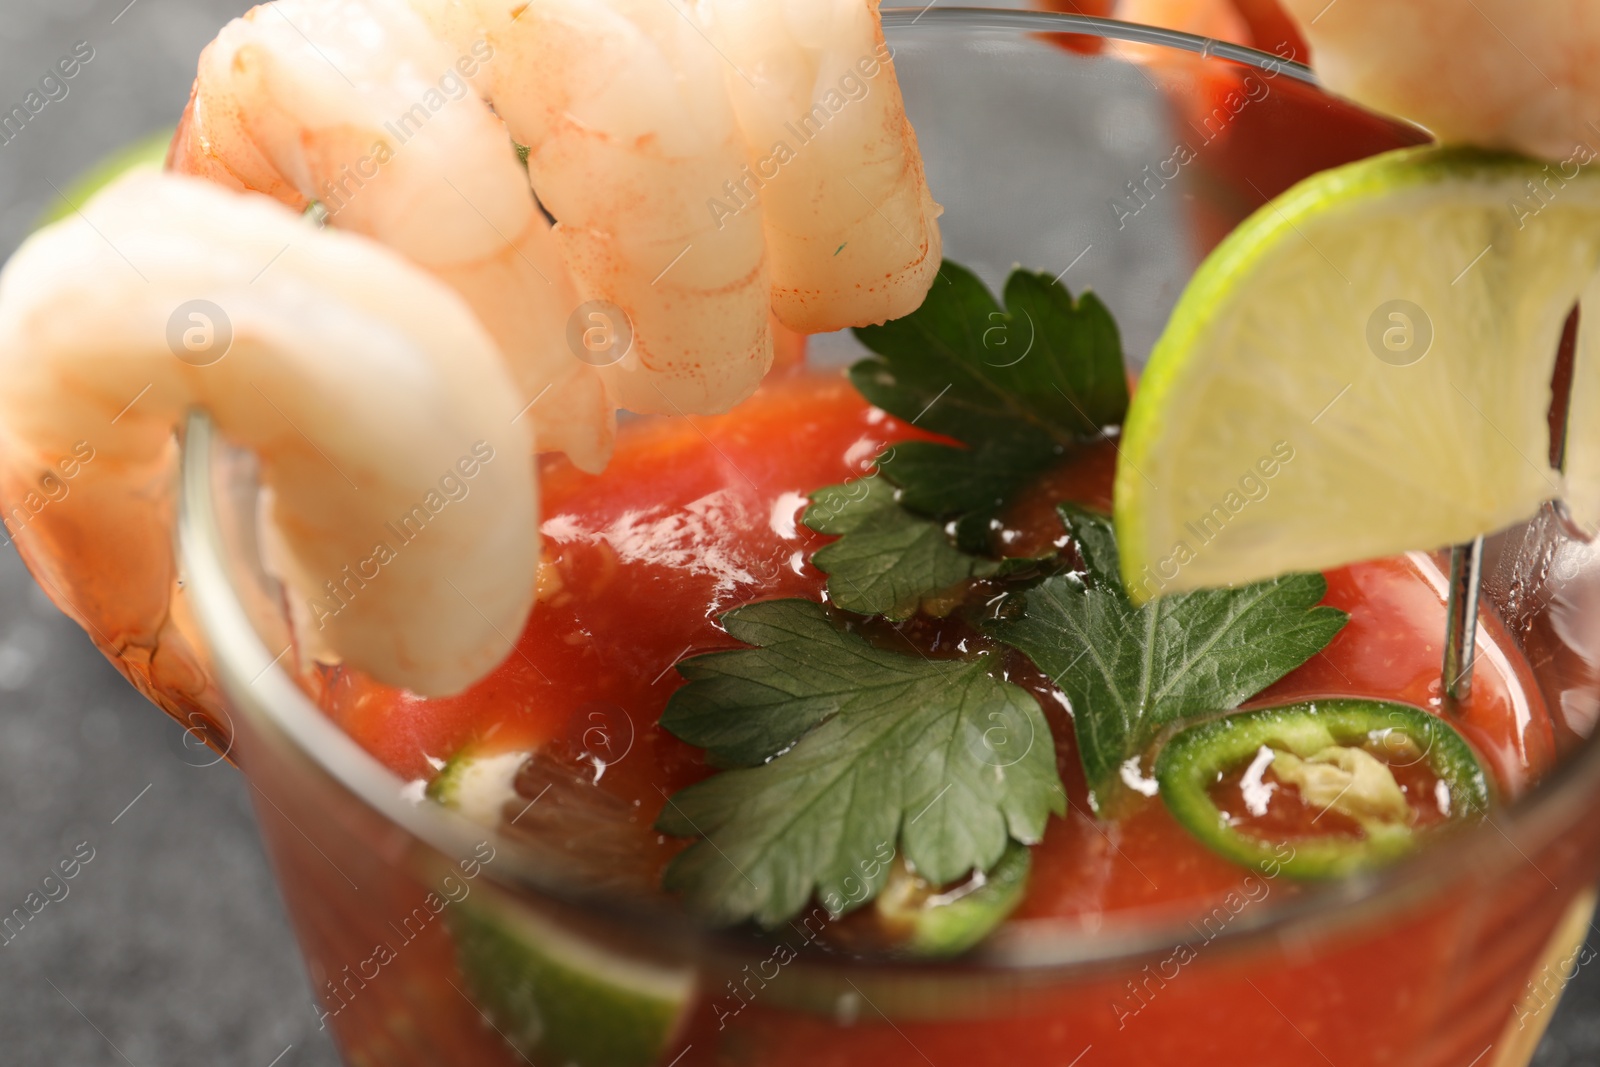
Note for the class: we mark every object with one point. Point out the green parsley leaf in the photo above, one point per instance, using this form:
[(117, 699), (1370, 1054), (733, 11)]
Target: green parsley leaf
[(887, 559), (840, 749), (1129, 671), (1044, 368), (1016, 386)]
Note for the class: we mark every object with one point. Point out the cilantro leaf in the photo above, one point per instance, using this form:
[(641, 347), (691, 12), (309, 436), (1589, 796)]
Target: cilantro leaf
[(889, 559), (1016, 387), (840, 749), (1128, 671)]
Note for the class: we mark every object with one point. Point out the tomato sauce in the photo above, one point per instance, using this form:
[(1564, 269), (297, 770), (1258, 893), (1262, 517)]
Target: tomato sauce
[(697, 516)]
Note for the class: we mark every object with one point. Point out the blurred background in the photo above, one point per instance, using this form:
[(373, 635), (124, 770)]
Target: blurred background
[(170, 946)]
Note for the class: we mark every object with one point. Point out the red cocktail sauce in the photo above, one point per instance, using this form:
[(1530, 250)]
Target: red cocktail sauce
[(694, 517)]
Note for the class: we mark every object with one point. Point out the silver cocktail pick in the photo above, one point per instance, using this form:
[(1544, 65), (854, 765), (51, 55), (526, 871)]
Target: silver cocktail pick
[(1461, 619)]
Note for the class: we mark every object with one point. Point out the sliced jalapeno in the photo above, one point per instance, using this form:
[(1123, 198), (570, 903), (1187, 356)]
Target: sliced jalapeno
[(1341, 754), (925, 922)]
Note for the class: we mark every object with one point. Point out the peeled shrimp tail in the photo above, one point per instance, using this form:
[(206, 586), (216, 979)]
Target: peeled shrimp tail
[(403, 493), (834, 163), (358, 105), (623, 107)]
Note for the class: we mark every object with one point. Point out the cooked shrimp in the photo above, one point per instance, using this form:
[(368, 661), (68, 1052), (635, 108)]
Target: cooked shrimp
[(388, 355), (1497, 73), (358, 105), (849, 220), (403, 494), (635, 147), (830, 165), (630, 130)]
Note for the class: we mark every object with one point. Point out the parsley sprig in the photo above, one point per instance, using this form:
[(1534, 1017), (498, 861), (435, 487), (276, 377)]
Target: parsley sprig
[(888, 560), (837, 746), (1128, 671), (832, 746), (1015, 387)]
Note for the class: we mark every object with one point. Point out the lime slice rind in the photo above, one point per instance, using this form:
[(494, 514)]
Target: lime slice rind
[(563, 1000), (1284, 424), (146, 153)]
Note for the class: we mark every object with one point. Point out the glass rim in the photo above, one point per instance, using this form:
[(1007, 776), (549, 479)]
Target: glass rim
[(255, 682), (997, 18)]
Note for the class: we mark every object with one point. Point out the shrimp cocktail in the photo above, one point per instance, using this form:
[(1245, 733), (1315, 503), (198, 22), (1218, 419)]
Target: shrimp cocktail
[(685, 597)]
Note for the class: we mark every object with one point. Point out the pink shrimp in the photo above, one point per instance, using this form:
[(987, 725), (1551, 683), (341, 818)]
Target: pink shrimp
[(167, 292)]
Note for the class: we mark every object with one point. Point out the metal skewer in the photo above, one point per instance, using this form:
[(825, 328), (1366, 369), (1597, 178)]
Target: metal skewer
[(1461, 619)]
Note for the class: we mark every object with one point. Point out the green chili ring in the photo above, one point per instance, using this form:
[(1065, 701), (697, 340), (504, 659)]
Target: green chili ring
[(1192, 761)]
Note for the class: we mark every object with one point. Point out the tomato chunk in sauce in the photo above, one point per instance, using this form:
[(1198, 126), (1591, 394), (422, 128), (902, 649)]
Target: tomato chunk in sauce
[(697, 516)]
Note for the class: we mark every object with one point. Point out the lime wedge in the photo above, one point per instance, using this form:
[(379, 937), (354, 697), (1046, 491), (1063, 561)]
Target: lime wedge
[(148, 152), (1362, 368), (560, 998), (556, 995)]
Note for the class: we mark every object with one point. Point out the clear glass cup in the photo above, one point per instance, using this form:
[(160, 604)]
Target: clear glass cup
[(1069, 159)]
